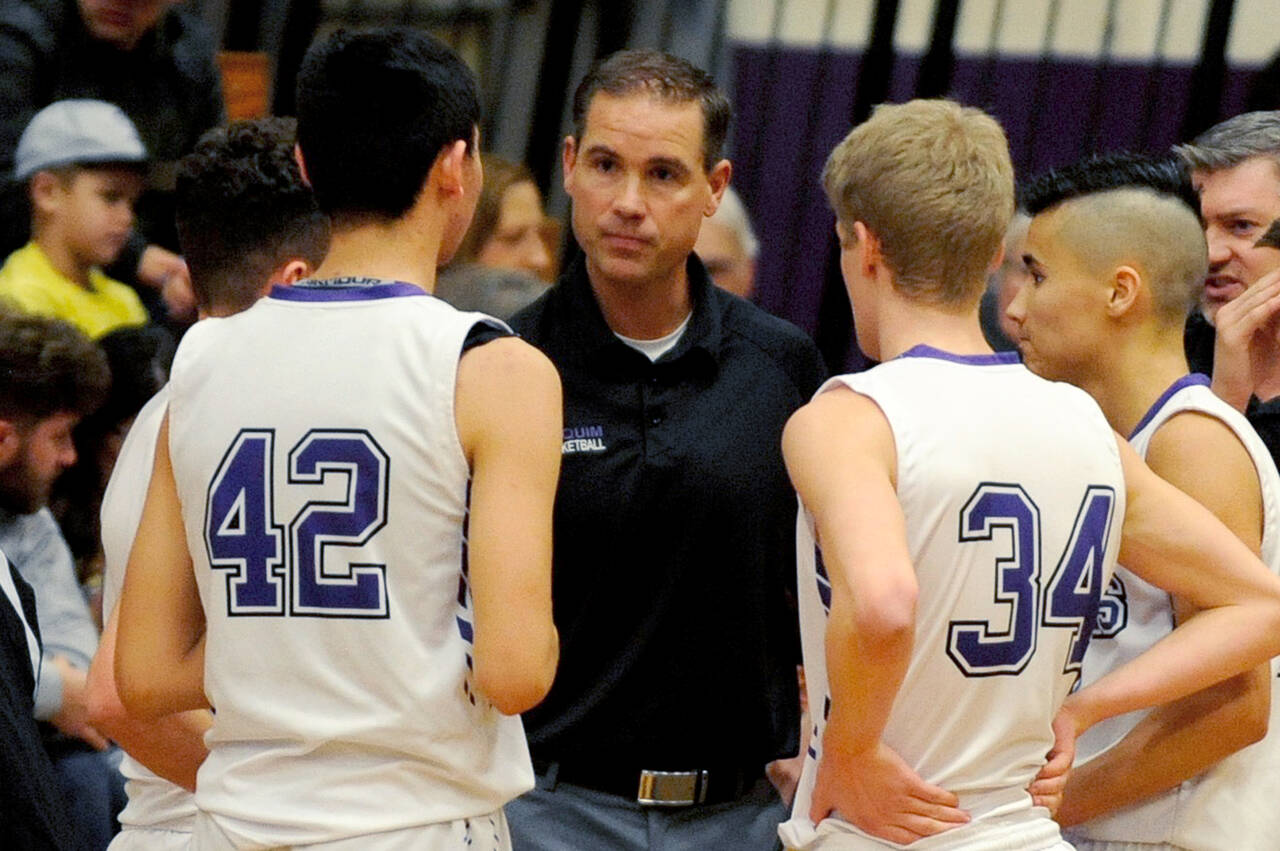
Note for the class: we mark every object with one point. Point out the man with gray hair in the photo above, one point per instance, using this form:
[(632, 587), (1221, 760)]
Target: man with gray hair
[(728, 247), (1236, 171)]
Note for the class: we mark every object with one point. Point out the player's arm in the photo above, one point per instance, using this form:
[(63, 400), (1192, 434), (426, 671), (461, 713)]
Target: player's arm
[(509, 415), (1203, 458), (171, 746), (840, 454), (159, 664), (1173, 542)]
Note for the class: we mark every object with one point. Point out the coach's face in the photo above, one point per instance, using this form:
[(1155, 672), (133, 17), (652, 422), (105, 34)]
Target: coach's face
[(1237, 205), (639, 188)]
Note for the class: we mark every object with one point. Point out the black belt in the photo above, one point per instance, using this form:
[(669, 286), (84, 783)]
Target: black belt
[(656, 788)]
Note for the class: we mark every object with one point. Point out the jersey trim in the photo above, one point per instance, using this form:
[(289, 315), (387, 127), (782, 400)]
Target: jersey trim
[(993, 359), (1189, 380), (304, 292)]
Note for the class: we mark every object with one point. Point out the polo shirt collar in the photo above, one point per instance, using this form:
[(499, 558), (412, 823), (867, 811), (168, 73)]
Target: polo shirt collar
[(701, 340)]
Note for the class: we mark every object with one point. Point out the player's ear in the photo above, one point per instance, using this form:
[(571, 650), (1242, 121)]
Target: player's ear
[(290, 272), (302, 165), (867, 244), (1123, 292), (450, 167), (10, 442)]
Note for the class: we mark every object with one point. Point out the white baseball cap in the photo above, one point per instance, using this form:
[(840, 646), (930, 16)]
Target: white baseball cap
[(72, 132)]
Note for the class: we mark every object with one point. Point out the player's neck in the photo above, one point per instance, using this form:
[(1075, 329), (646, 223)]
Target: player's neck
[(904, 325), (1130, 380), (395, 251), (643, 310)]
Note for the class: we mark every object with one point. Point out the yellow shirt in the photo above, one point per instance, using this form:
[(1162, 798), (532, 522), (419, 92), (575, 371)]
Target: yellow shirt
[(29, 280)]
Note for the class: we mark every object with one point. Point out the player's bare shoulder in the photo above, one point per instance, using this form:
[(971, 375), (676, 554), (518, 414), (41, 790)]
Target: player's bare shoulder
[(837, 421), (1202, 456), (504, 382)]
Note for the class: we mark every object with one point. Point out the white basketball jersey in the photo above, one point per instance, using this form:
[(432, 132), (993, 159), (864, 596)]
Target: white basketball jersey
[(153, 801), (1234, 804), (324, 494), (1013, 495)]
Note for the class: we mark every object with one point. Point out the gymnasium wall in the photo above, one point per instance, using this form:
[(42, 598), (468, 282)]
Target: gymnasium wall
[(1064, 77)]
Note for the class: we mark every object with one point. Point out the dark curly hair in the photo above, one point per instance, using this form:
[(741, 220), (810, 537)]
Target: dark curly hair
[(243, 210), (47, 367)]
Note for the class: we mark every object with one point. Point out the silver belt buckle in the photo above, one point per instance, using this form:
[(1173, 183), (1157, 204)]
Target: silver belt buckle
[(672, 788)]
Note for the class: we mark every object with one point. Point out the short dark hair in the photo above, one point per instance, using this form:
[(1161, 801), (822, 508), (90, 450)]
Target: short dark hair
[(242, 210), (1165, 174), (375, 109), (47, 367), (665, 77)]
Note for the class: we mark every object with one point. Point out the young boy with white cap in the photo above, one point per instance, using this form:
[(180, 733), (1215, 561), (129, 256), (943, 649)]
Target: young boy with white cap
[(84, 165)]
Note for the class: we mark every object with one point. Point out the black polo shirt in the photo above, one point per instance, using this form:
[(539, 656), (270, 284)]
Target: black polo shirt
[(674, 555)]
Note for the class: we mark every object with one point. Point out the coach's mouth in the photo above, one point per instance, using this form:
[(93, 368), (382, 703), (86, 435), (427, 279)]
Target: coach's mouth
[(1222, 288)]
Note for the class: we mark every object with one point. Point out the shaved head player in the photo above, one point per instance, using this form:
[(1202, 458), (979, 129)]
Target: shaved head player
[(1116, 259)]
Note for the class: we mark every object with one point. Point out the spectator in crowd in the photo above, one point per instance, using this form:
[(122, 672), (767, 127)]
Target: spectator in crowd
[(83, 163), (1118, 259), (244, 216), (1235, 166), (728, 248), (51, 375), (674, 521), (509, 228), (139, 359), (504, 260), (155, 62), (32, 805)]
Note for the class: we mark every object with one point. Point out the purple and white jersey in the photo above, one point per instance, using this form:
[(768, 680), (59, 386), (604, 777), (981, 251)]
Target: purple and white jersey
[(1013, 494), (324, 495), (154, 803), (1233, 804)]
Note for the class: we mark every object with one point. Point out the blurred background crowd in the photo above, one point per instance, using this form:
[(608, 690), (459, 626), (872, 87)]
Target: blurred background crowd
[(1065, 78)]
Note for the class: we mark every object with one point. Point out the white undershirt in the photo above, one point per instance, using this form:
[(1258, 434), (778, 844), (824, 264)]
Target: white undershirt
[(654, 349)]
